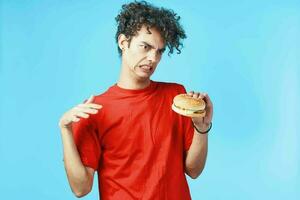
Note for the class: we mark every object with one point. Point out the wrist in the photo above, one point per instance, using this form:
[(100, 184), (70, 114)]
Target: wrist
[(203, 128)]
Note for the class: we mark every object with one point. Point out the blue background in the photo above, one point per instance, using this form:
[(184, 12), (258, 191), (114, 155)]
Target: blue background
[(244, 54)]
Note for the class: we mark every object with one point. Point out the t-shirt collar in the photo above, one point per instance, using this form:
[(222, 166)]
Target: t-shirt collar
[(118, 89)]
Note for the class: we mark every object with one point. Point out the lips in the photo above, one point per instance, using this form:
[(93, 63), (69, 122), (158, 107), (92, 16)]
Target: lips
[(146, 67)]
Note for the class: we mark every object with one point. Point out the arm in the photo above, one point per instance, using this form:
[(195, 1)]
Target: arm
[(196, 155), (80, 177)]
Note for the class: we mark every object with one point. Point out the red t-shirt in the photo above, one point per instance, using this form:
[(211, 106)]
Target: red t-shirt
[(137, 143)]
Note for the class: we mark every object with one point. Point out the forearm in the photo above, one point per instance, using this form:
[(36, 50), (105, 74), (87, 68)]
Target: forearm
[(196, 157), (77, 174)]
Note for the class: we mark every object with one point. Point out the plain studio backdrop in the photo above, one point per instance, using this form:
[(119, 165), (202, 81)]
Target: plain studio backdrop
[(244, 54)]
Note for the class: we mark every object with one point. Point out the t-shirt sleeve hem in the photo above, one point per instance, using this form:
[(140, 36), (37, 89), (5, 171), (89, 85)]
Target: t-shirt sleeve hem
[(189, 143), (89, 163)]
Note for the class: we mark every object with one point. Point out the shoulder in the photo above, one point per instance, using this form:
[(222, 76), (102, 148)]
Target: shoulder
[(101, 98)]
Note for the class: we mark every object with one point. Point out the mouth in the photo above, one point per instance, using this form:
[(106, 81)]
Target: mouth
[(146, 68)]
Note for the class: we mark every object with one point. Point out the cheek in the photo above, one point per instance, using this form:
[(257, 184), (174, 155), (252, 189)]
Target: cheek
[(134, 57), (131, 58), (138, 58)]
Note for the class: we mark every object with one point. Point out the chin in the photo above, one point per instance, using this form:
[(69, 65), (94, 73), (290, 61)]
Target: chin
[(143, 78), (144, 75)]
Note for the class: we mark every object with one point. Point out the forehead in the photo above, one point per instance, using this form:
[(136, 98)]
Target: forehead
[(153, 38)]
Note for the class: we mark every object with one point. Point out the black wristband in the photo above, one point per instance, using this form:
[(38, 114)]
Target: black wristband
[(210, 125)]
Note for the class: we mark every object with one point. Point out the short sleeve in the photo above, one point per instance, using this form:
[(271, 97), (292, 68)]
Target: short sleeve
[(87, 142), (187, 125)]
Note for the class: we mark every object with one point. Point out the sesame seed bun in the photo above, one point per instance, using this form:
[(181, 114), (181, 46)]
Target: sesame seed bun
[(188, 106)]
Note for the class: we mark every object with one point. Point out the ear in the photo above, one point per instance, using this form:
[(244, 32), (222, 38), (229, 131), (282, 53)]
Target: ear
[(122, 41)]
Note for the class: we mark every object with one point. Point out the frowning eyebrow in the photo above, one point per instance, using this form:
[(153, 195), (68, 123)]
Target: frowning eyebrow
[(160, 50)]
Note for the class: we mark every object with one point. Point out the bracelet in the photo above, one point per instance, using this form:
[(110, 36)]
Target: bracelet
[(210, 125)]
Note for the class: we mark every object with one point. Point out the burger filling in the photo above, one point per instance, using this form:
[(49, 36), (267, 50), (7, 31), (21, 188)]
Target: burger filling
[(189, 110)]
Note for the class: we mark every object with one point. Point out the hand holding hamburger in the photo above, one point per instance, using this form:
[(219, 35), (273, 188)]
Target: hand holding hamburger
[(196, 105)]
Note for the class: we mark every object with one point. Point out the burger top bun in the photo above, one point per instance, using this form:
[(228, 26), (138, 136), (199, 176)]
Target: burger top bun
[(188, 106)]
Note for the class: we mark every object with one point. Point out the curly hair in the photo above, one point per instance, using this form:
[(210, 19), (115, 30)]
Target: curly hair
[(138, 13)]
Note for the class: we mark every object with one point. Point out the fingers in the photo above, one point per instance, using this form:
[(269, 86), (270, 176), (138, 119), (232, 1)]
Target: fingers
[(196, 95), (90, 100), (190, 93), (208, 101), (67, 120), (90, 105), (86, 110), (203, 96), (75, 119), (81, 114), (208, 107), (83, 110)]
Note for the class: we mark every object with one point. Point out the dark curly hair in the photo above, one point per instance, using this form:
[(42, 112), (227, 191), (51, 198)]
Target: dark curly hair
[(138, 13)]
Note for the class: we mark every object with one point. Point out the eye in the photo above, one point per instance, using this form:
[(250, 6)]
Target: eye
[(145, 47)]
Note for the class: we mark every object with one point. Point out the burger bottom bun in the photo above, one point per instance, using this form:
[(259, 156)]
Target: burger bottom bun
[(186, 113)]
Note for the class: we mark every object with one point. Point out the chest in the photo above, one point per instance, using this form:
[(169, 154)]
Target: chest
[(133, 126)]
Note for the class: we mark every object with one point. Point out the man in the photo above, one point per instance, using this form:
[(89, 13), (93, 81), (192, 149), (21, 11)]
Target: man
[(139, 147)]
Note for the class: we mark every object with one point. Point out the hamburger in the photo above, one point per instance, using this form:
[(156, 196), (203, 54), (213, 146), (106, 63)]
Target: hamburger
[(188, 106)]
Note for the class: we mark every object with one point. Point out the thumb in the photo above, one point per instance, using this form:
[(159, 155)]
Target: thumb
[(90, 99)]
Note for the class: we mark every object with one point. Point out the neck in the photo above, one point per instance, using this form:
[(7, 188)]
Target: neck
[(129, 81)]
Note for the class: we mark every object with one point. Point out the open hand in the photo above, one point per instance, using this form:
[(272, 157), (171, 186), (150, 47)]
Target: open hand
[(79, 111)]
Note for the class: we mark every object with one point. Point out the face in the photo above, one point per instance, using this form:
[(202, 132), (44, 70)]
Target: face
[(141, 58)]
